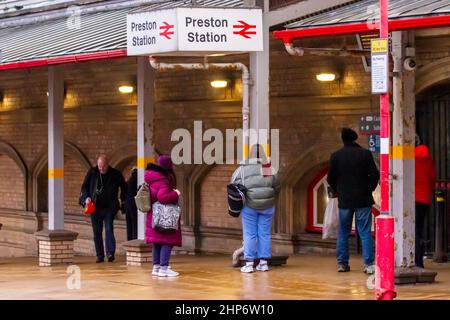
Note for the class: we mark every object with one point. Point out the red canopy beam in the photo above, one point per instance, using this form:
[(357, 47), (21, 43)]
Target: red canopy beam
[(64, 59), (394, 25)]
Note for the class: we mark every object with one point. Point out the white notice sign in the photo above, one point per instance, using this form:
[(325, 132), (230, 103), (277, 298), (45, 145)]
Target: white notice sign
[(194, 30), (380, 65)]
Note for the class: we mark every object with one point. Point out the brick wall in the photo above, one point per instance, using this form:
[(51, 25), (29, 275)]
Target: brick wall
[(433, 48), (74, 173), (213, 195), (12, 186)]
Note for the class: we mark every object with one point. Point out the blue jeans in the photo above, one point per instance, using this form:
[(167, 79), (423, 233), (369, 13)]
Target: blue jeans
[(161, 254), (106, 216), (256, 225), (363, 225)]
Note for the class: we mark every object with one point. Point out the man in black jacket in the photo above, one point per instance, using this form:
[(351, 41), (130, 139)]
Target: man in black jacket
[(101, 185), (353, 175)]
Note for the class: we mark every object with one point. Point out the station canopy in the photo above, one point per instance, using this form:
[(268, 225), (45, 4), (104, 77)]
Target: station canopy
[(37, 39), (362, 16)]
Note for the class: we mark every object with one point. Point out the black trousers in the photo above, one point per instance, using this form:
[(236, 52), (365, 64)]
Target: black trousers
[(132, 224), (104, 216), (421, 213)]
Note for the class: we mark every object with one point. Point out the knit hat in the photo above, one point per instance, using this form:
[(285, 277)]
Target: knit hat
[(165, 162), (348, 135)]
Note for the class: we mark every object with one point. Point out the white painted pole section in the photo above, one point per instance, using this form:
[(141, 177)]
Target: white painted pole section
[(403, 203), (55, 148), (145, 119), (246, 82), (259, 96)]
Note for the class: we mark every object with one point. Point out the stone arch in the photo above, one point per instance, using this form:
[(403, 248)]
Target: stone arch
[(432, 73), (8, 150), (40, 163), (122, 156), (192, 201), (294, 180), (193, 179), (70, 149)]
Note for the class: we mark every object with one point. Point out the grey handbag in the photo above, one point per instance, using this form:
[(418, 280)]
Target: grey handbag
[(142, 198), (165, 217)]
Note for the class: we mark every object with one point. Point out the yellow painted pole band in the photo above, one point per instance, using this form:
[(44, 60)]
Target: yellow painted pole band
[(142, 161), (266, 148), (245, 151), (56, 173), (403, 152)]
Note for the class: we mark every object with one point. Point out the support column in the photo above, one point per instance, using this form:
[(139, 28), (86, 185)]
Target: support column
[(403, 154), (55, 244), (259, 92), (55, 148), (138, 252)]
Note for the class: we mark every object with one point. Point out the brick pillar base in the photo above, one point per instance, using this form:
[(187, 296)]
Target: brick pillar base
[(414, 275), (138, 252), (55, 247)]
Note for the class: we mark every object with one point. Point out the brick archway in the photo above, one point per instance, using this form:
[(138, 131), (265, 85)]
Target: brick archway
[(8, 150), (294, 180), (431, 74), (70, 149), (122, 156)]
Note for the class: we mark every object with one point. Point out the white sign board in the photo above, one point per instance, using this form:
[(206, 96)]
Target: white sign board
[(151, 32), (194, 30), (380, 66)]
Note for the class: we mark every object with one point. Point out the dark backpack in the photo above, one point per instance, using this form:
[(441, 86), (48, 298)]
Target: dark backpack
[(236, 197)]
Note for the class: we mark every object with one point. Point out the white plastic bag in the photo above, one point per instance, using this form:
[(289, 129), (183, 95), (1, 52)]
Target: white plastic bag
[(331, 220)]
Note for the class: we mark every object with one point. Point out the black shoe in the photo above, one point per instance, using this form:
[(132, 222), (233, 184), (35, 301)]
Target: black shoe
[(100, 260), (342, 267), (111, 258)]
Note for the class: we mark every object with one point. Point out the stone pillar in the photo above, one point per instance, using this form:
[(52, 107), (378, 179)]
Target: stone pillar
[(55, 247), (145, 119), (55, 148), (403, 199), (138, 252)]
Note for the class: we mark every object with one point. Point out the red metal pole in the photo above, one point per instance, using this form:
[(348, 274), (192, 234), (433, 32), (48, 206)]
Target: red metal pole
[(384, 281), (384, 257)]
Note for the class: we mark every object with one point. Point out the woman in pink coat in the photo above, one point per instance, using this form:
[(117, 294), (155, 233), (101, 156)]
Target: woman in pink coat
[(162, 185)]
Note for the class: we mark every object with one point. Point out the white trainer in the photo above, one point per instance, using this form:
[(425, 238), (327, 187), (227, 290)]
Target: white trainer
[(155, 270), (248, 268), (262, 267), (167, 272)]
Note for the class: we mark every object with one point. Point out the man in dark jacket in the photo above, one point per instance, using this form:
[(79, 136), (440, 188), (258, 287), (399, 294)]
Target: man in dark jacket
[(101, 185), (353, 175), (130, 205)]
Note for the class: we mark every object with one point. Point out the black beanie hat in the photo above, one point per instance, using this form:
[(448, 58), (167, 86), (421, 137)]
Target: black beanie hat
[(348, 135)]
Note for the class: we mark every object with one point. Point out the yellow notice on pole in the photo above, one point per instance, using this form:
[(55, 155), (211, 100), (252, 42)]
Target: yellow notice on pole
[(379, 46)]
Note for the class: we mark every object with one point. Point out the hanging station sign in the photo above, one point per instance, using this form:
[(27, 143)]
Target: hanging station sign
[(380, 65), (190, 30)]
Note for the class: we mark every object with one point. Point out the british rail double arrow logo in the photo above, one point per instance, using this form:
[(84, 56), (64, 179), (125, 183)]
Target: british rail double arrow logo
[(168, 30), (244, 29)]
